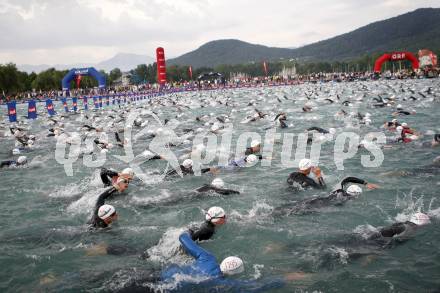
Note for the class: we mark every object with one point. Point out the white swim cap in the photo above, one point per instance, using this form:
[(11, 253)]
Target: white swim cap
[(399, 129), (232, 265), (305, 164), (30, 142), (399, 106), (16, 151), (404, 124), (104, 151), (105, 211), (368, 115), (21, 159), (31, 136), (354, 190), (218, 183), (420, 219), (332, 130), (255, 143), (187, 163), (251, 159), (128, 171), (215, 214), (394, 120)]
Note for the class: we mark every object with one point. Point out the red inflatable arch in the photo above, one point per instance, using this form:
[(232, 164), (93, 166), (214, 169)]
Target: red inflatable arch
[(396, 56)]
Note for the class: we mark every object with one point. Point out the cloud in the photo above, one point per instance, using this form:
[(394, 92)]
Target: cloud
[(53, 31)]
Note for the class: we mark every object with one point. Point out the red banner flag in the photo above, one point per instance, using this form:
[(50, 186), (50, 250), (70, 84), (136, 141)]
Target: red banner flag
[(78, 80), (190, 70), (265, 67)]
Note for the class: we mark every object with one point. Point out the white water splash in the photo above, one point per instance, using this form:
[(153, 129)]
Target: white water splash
[(168, 248)]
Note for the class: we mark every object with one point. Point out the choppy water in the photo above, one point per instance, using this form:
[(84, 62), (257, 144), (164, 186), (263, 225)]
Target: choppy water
[(46, 245)]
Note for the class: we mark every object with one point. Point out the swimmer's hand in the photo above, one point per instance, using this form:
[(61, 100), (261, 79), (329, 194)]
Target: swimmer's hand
[(371, 186), (99, 249), (295, 276)]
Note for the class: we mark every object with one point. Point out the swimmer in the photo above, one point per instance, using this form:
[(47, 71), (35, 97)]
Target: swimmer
[(21, 161), (214, 218), (105, 214), (187, 169), (217, 186), (254, 148), (109, 177), (337, 197), (306, 169)]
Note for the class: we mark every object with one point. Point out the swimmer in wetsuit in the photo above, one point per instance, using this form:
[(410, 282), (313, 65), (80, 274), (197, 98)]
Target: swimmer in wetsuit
[(215, 217), (186, 169), (217, 186), (105, 214), (22, 160), (337, 197), (254, 148), (108, 177), (303, 176)]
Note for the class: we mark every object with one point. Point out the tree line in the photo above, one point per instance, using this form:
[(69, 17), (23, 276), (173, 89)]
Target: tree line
[(13, 81)]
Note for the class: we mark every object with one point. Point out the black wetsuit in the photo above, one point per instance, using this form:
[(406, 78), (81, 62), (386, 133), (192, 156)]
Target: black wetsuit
[(319, 129), (223, 191), (204, 232), (107, 175), (397, 229), (336, 197), (96, 221), (186, 171), (305, 181), (403, 112), (8, 163)]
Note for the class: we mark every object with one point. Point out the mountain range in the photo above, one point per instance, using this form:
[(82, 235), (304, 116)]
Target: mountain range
[(407, 32)]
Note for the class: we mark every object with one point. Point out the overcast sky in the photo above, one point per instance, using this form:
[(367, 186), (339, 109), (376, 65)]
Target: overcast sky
[(75, 31)]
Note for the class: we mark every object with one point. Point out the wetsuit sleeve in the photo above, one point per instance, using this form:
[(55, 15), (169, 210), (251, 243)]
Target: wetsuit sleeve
[(224, 191), (205, 170), (191, 247), (204, 188), (6, 163), (106, 176), (319, 129), (118, 139), (404, 112), (156, 157), (248, 152), (205, 232), (352, 180), (96, 221), (392, 230)]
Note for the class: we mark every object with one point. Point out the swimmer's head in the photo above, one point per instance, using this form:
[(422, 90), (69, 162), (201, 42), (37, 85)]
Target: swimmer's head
[(420, 219), (251, 159), (218, 183), (188, 163), (305, 165), (232, 265), (255, 145), (107, 213), (216, 215), (354, 190), (21, 160), (128, 172)]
